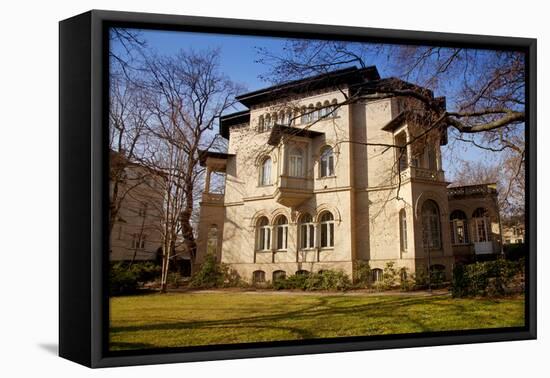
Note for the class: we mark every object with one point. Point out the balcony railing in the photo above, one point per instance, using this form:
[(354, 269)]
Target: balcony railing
[(422, 174), (472, 190), (299, 183)]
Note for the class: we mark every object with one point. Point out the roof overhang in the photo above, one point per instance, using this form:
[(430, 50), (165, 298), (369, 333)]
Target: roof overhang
[(278, 131)]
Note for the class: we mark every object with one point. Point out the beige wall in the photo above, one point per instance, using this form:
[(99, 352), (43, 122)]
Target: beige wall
[(361, 195)]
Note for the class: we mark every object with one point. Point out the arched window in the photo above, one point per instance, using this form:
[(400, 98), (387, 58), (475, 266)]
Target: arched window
[(261, 124), (327, 162), (279, 275), (377, 275), (334, 108), (459, 228), (327, 229), (263, 235), (303, 115), (310, 113), (212, 243), (281, 232), (302, 272), (258, 276), (288, 118), (403, 229), (296, 162), (281, 118), (481, 222), (265, 172), (318, 111), (326, 108), (307, 232), (431, 227)]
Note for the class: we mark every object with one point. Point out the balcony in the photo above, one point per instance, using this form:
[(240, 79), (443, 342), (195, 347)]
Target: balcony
[(292, 191), (422, 174), (480, 190)]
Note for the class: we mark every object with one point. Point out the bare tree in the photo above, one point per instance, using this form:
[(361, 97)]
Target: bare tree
[(186, 95), (487, 89)]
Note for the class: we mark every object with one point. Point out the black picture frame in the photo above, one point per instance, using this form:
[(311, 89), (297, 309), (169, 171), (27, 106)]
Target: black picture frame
[(83, 196)]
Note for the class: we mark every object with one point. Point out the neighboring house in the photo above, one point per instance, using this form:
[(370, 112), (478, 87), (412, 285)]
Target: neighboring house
[(135, 234), (513, 231), (304, 193)]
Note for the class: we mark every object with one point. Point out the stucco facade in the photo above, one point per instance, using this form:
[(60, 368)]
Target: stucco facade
[(313, 181)]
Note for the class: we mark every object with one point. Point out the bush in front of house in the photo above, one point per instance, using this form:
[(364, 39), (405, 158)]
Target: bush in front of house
[(490, 278), (324, 280), (362, 275), (215, 275), (128, 278)]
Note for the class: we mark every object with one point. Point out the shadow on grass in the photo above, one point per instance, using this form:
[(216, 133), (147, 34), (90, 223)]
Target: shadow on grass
[(321, 308)]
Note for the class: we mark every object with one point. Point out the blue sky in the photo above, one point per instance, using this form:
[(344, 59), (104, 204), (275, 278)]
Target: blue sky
[(238, 61)]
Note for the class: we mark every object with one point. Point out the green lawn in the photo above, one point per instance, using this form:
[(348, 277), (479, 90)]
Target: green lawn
[(184, 319)]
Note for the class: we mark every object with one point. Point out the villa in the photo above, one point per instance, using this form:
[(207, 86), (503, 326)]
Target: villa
[(314, 181)]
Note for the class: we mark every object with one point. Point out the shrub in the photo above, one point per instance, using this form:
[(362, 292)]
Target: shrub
[(406, 282), (214, 275), (362, 275), (325, 280), (125, 278), (209, 275), (489, 278)]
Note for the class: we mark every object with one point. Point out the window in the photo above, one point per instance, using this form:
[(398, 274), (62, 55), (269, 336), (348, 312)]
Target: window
[(261, 124), (403, 229), (480, 219), (334, 108), (431, 158), (327, 162), (281, 231), (431, 228), (459, 228), (327, 230), (212, 242), (307, 232), (279, 275), (288, 118), (326, 109), (377, 275), (263, 235), (296, 162), (302, 272), (437, 272), (138, 241), (268, 121), (402, 157), (265, 172), (318, 111), (303, 115), (310, 113), (258, 276), (281, 118)]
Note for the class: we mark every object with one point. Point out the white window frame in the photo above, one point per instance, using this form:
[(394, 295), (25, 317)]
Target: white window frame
[(296, 162), (326, 162), (328, 227), (263, 237), (307, 235), (403, 230), (265, 172), (281, 233)]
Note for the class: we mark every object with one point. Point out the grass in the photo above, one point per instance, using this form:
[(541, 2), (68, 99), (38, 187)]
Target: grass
[(190, 319)]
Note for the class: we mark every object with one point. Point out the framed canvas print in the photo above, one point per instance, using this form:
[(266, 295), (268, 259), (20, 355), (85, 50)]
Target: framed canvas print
[(234, 188)]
